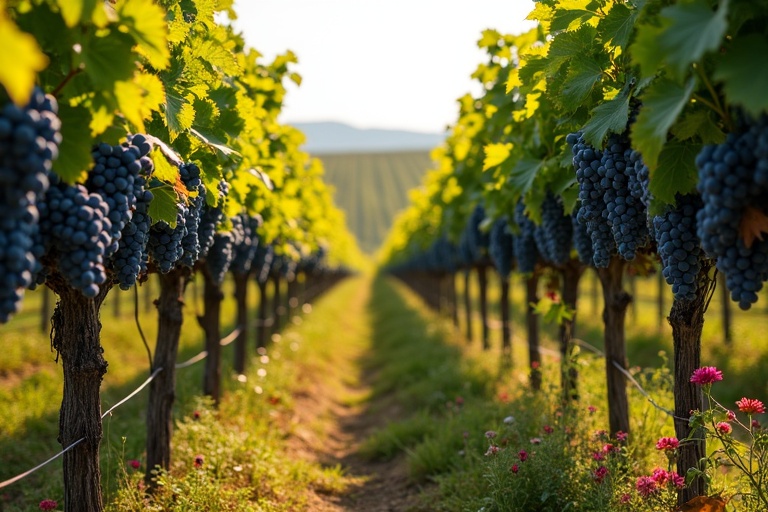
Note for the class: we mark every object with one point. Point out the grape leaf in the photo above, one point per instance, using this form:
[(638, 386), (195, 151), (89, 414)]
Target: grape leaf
[(217, 55), (20, 61), (609, 116), (165, 171), (145, 22), (645, 51), (676, 171), (753, 224), (662, 103), (75, 149), (77, 11), (699, 124), (524, 172), (703, 504), (584, 74), (108, 58), (690, 30), (744, 82), (163, 205), (179, 114), (495, 154), (618, 25), (571, 44)]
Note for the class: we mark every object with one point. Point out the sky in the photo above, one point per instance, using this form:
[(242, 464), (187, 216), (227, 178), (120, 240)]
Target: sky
[(396, 64)]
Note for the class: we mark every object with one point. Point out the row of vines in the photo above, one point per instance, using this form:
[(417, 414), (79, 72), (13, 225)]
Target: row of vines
[(142, 137), (619, 135)]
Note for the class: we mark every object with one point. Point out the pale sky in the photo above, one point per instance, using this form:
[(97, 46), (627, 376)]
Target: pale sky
[(397, 64)]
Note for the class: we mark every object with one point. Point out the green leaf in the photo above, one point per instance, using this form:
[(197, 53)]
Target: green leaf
[(676, 172), (584, 74), (217, 55), (211, 141), (77, 11), (662, 103), (744, 81), (698, 124), (571, 44), (164, 205), (108, 58), (145, 22), (20, 61), (75, 149), (523, 173), (568, 18), (645, 50), (495, 154), (610, 116), (179, 114), (164, 170), (618, 25), (690, 30)]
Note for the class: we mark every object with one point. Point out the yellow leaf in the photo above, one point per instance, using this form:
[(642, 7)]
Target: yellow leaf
[(129, 100), (153, 93), (144, 20), (164, 171), (20, 61), (496, 154), (513, 80), (703, 504), (753, 225), (77, 11)]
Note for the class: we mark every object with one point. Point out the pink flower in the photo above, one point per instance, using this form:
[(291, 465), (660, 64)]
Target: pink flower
[(48, 505), (625, 498), (621, 436), (600, 434), (600, 473), (610, 448), (515, 468), (535, 440), (492, 450), (523, 455), (199, 461), (490, 434), (706, 375), (598, 456), (667, 443), (134, 464), (730, 415), (724, 427), (548, 429), (535, 365), (751, 406), (645, 486), (592, 409), (459, 401), (755, 424), (663, 477)]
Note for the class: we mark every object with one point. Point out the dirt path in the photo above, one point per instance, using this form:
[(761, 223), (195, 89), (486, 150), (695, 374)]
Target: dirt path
[(332, 421)]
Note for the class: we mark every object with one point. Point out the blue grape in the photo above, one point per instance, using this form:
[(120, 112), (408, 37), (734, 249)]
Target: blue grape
[(209, 219), (526, 253), (245, 250), (130, 260), (679, 246), (501, 247), (554, 236), (582, 241), (164, 246), (476, 238), (190, 243)]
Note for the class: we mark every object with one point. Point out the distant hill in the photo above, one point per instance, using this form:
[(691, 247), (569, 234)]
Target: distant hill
[(332, 137)]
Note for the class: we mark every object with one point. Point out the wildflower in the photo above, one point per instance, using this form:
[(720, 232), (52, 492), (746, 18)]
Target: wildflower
[(667, 443), (750, 406), (610, 448), (724, 427), (598, 456), (535, 365), (600, 434), (492, 450), (755, 424), (548, 429), (523, 455), (552, 295), (509, 419), (504, 396), (196, 415), (490, 434), (600, 473), (535, 440), (730, 415), (621, 436), (198, 461), (134, 464), (706, 375), (459, 401), (625, 498), (515, 468), (592, 409), (645, 486), (48, 505), (663, 477)]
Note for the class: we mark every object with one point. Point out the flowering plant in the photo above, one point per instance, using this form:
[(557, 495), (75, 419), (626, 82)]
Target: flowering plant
[(742, 445)]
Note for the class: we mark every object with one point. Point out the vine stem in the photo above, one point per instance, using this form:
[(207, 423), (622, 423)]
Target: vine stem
[(716, 105), (72, 73)]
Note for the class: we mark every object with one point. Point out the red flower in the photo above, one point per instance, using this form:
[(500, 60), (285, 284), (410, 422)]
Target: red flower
[(755, 424), (724, 428), (625, 498), (196, 415), (548, 429), (592, 409), (523, 455), (706, 375), (48, 505), (663, 477), (730, 415), (751, 406), (621, 436), (515, 468), (598, 456), (199, 461), (551, 295), (535, 365), (600, 473), (645, 486), (134, 464), (667, 443)]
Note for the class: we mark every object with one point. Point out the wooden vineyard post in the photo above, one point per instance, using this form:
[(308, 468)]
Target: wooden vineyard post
[(572, 273), (506, 324), (451, 276), (261, 330), (482, 277), (76, 339), (661, 283), (241, 300), (277, 304), (468, 302), (210, 322), (725, 298), (615, 301), (687, 321), (532, 322), (162, 390)]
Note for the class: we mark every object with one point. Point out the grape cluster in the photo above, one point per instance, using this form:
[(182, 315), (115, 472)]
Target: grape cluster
[(476, 238), (679, 246), (245, 250), (209, 219), (75, 225), (638, 178), (502, 247), (554, 235), (733, 180), (164, 246), (262, 261), (222, 252), (190, 243), (29, 142), (586, 162), (130, 260), (582, 241), (115, 169), (624, 212), (526, 253)]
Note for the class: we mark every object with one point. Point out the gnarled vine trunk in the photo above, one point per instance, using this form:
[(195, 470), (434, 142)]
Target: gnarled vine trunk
[(532, 321), (241, 299), (210, 322), (468, 302), (506, 324), (482, 278), (569, 372), (261, 330)]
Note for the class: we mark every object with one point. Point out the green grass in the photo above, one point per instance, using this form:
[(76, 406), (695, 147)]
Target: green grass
[(372, 188)]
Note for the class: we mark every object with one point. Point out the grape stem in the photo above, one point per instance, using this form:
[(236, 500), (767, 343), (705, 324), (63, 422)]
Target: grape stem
[(72, 73), (715, 104)]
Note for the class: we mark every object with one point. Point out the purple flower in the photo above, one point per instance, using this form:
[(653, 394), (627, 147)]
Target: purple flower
[(48, 505), (706, 375)]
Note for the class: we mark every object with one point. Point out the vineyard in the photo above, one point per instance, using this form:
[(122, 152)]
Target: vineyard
[(596, 220)]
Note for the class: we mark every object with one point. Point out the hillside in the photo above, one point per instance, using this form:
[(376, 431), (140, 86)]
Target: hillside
[(334, 137), (373, 187)]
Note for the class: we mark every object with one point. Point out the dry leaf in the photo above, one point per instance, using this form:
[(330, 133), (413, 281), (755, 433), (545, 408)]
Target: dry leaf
[(753, 224), (703, 504)]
